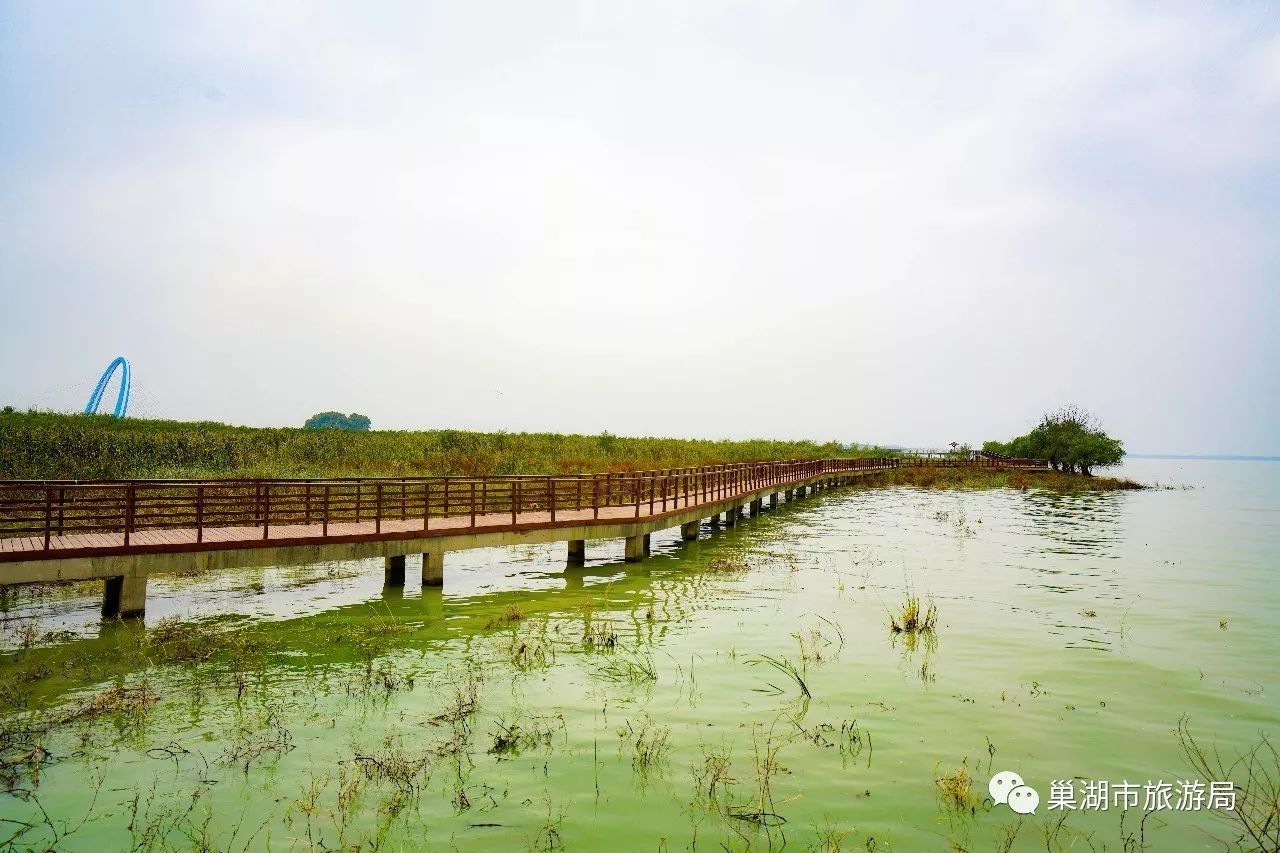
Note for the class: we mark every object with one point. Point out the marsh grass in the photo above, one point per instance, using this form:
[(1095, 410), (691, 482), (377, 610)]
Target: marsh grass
[(600, 634), (511, 616), (913, 617), (713, 778), (44, 445), (630, 667), (1255, 772), (267, 736), (956, 793), (762, 810), (648, 743), (787, 668)]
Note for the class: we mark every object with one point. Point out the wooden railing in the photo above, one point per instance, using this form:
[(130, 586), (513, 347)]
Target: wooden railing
[(43, 510)]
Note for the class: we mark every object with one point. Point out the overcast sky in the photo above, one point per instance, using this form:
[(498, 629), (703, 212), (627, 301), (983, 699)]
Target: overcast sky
[(869, 222)]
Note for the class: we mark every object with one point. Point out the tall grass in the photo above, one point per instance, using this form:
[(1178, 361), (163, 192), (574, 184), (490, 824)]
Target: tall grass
[(35, 445)]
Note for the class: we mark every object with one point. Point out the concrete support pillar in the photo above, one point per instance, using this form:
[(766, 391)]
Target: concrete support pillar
[(802, 492), (393, 571), (646, 545), (791, 495), (773, 501), (689, 532), (125, 597), (731, 517), (433, 569), (756, 506), (635, 548), (577, 551), (715, 520)]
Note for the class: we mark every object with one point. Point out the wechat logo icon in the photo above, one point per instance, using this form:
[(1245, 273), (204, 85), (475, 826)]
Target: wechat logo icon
[(1007, 788)]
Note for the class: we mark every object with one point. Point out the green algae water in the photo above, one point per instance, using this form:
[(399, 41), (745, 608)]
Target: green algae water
[(741, 692)]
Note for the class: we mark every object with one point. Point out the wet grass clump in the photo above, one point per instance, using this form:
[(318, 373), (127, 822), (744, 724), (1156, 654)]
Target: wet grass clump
[(956, 793), (512, 616), (913, 617)]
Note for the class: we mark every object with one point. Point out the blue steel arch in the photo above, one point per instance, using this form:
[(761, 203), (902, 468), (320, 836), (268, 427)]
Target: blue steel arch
[(122, 398)]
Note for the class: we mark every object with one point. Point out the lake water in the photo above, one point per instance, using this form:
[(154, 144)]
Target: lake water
[(1074, 632)]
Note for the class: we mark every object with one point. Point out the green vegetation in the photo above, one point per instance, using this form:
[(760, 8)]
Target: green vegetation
[(36, 445), (337, 420), (939, 477), (1070, 438)]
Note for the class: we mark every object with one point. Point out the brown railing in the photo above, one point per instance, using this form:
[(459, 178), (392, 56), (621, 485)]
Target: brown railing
[(44, 510)]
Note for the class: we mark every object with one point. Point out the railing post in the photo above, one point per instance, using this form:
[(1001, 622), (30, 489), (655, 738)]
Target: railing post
[(515, 499), (266, 511), (128, 513), (324, 519), (551, 496), (426, 505), (48, 514), (473, 503), (200, 514), (595, 497), (377, 507)]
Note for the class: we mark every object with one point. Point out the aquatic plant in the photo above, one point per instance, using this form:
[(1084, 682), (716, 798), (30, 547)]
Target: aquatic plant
[(786, 667), (510, 616), (648, 743), (1255, 774), (630, 667), (913, 618), (955, 791)]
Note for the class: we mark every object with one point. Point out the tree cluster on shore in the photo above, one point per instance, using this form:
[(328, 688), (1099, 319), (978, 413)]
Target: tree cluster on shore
[(1070, 438)]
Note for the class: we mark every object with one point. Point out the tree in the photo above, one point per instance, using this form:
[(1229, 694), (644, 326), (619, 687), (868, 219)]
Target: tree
[(337, 420), (1070, 438)]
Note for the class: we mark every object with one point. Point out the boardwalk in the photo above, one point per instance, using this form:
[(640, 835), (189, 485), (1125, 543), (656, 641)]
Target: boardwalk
[(122, 531)]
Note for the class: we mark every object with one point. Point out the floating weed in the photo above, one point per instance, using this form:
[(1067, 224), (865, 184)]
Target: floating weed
[(728, 565)]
